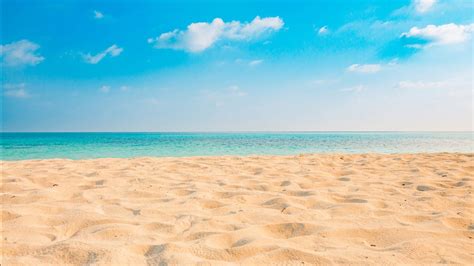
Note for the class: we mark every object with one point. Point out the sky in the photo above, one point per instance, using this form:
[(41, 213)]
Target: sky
[(328, 65)]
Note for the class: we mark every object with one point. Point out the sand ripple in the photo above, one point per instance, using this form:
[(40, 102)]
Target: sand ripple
[(257, 210)]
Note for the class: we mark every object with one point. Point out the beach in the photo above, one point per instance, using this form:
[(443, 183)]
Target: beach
[(253, 210)]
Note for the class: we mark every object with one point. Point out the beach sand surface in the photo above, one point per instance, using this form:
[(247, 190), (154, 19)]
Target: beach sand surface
[(255, 210)]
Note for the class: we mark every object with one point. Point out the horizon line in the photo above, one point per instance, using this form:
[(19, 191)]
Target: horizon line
[(259, 131)]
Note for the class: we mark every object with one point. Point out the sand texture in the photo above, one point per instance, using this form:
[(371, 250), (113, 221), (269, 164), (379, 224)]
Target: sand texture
[(257, 210)]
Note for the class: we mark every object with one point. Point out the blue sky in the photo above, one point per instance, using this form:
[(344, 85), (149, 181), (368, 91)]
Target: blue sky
[(237, 65)]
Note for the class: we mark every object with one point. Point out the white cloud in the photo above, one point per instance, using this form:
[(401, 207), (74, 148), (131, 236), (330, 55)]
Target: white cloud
[(417, 7), (368, 68), (423, 6), (200, 36), (393, 62), (356, 89), (16, 90), (98, 14), (104, 89), (255, 62), (323, 30), (124, 88), (113, 51), (441, 35), (421, 84), (20, 53)]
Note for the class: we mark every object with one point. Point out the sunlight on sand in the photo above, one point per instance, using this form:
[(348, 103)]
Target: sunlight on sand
[(319, 209)]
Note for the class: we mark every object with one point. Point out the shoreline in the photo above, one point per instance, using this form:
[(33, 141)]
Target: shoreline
[(312, 209), (247, 156)]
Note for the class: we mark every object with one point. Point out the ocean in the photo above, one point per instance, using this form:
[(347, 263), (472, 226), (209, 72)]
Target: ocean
[(23, 146)]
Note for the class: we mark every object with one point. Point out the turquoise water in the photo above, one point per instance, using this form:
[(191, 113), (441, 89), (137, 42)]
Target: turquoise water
[(21, 146)]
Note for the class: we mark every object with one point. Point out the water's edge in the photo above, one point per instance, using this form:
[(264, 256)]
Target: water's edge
[(26, 146), (250, 156)]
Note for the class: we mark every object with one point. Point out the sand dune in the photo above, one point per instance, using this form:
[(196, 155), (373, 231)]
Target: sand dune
[(311, 209)]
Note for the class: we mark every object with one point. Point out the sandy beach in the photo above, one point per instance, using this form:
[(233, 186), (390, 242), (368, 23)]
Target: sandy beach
[(257, 210)]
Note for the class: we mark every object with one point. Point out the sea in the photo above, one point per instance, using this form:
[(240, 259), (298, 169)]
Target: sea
[(25, 146)]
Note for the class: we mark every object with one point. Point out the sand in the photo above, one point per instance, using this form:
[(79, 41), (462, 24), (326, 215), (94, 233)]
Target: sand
[(257, 210)]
